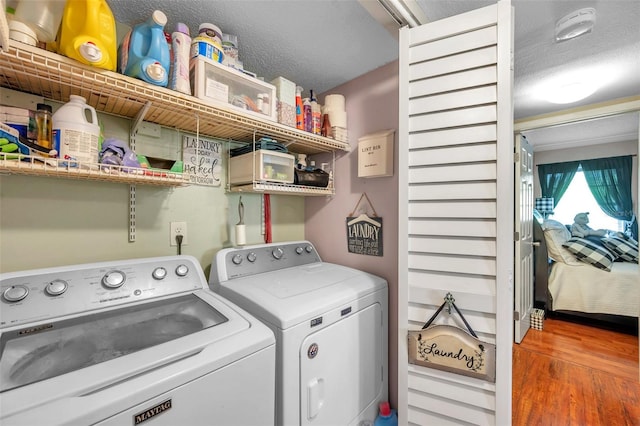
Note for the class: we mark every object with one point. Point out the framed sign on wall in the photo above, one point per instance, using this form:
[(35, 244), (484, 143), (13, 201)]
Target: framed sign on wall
[(364, 232)]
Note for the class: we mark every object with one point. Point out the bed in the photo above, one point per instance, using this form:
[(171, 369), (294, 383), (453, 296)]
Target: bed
[(589, 278)]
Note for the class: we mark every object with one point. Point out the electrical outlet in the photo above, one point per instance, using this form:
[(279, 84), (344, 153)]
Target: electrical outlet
[(178, 228)]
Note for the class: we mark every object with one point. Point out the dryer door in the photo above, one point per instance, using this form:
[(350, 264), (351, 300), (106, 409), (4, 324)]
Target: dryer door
[(341, 369)]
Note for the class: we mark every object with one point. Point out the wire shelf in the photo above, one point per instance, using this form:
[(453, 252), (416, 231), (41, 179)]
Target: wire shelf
[(282, 188), (37, 71), (54, 167)]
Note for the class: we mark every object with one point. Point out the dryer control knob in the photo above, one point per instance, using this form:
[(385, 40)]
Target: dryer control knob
[(277, 253), (159, 273), (299, 250), (56, 287), (114, 279), (15, 293), (236, 259), (182, 270), (251, 257), (309, 249)]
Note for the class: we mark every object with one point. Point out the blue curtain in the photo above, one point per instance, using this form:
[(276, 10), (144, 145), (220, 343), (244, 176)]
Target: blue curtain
[(555, 178), (609, 180)]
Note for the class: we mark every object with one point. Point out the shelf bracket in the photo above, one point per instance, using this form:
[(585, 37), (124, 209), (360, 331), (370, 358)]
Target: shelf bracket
[(140, 118)]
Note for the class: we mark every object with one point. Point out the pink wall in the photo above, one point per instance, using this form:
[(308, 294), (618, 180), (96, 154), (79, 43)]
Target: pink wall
[(372, 105)]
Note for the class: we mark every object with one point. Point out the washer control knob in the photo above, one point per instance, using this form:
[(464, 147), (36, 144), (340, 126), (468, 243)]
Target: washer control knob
[(159, 273), (56, 287), (277, 253), (15, 293), (299, 250), (251, 257), (182, 270), (236, 259), (308, 249), (114, 279)]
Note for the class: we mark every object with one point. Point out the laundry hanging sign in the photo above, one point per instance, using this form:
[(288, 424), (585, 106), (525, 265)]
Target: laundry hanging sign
[(202, 160), (364, 232)]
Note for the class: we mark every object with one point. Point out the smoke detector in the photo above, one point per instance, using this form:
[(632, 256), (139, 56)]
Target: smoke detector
[(575, 24)]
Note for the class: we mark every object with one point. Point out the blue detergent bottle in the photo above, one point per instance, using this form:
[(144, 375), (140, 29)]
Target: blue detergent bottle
[(387, 416), (144, 52)]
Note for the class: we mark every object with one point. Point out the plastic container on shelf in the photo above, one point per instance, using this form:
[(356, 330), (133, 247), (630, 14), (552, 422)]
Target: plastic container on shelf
[(43, 17), (299, 109), (387, 416), (76, 133), (21, 32), (88, 33), (44, 128), (144, 53), (179, 75)]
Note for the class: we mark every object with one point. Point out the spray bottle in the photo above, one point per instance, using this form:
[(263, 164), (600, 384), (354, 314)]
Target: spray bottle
[(316, 115), (299, 109), (308, 118)]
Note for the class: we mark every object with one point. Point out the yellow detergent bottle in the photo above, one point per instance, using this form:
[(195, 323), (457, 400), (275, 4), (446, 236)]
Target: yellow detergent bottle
[(88, 33)]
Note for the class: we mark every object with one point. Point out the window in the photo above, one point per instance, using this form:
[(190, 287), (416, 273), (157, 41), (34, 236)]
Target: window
[(578, 199)]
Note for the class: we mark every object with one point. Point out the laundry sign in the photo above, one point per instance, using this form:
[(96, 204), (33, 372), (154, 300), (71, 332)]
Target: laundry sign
[(364, 235), (453, 349), (202, 160), (364, 232)]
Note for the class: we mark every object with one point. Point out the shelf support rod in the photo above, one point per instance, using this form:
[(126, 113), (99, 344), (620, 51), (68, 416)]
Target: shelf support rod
[(135, 125)]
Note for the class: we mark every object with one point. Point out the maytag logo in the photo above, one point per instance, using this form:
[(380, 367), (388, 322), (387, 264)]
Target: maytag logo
[(151, 412)]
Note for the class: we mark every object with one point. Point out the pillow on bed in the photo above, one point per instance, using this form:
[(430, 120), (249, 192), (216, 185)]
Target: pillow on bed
[(622, 248), (555, 235), (591, 253), (627, 238)]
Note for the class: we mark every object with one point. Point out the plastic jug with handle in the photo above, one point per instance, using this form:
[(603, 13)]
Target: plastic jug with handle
[(88, 33), (42, 17), (76, 133), (144, 52)]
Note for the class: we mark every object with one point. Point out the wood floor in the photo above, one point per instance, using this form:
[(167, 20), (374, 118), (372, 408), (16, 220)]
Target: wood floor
[(572, 374)]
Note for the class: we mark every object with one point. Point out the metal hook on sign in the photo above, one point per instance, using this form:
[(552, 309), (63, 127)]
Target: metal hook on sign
[(449, 300)]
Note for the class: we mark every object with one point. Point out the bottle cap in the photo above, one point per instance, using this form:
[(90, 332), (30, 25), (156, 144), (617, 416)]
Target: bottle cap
[(159, 18), (385, 409), (182, 28), (44, 107)]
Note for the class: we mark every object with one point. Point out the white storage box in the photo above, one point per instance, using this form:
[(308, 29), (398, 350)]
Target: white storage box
[(261, 165), (224, 86)]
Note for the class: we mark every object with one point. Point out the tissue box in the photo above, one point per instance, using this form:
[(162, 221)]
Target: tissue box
[(286, 94), (537, 319)]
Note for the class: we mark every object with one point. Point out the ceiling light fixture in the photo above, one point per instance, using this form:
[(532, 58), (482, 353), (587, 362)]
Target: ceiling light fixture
[(575, 24)]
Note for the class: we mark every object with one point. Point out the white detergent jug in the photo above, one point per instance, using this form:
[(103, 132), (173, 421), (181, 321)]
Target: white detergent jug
[(76, 133)]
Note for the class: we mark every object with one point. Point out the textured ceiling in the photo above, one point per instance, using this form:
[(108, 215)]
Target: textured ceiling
[(321, 44)]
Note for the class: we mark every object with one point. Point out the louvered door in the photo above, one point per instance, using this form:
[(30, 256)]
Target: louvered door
[(456, 206)]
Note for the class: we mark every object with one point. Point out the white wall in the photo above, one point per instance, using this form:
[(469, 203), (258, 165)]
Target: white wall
[(54, 221)]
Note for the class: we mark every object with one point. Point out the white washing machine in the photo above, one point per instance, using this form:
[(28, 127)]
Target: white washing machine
[(330, 323), (132, 342)]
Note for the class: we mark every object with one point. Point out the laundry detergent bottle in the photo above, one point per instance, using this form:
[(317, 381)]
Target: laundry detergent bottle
[(144, 52), (387, 416), (88, 33)]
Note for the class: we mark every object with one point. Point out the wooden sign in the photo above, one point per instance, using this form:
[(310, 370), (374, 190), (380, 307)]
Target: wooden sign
[(452, 349), (364, 235), (202, 160)]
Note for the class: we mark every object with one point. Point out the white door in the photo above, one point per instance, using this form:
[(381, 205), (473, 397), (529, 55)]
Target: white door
[(523, 302), (341, 368), (456, 206)]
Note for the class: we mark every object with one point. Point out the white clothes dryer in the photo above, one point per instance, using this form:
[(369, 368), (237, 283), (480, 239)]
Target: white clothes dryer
[(330, 323), (139, 341)]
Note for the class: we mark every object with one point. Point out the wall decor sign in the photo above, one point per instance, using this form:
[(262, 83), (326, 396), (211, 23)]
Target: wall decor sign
[(364, 233), (452, 349), (202, 160)]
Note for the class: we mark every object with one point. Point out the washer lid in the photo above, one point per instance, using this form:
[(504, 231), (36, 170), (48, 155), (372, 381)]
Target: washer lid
[(290, 296), (48, 350)]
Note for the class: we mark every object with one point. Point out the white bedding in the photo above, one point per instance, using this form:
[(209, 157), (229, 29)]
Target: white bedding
[(589, 289)]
